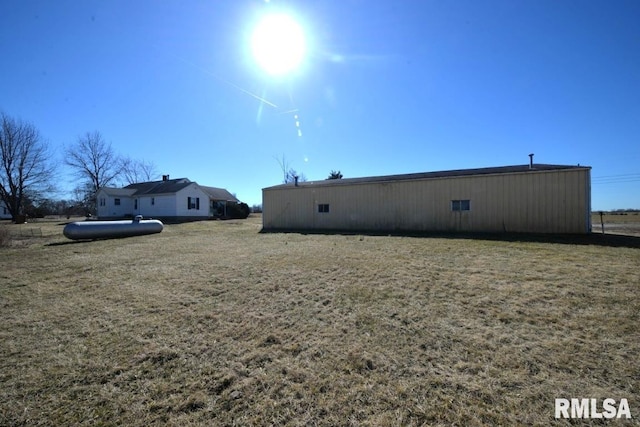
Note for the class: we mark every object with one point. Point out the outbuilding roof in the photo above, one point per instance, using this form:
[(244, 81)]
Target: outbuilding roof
[(432, 175)]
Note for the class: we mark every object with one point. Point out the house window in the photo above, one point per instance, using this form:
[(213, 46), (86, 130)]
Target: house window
[(153, 201), (135, 203), (116, 202), (323, 208), (460, 205), (102, 201), (193, 203)]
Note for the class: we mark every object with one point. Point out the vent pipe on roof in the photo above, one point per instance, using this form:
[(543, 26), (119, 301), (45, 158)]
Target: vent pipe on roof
[(295, 180), (165, 177), (531, 161)]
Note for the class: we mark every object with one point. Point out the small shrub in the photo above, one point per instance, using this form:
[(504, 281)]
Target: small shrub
[(238, 210)]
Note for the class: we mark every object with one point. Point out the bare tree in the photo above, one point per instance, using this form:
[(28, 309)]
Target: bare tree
[(27, 170), (138, 171), (292, 174), (94, 162), (288, 173), (284, 167), (83, 199)]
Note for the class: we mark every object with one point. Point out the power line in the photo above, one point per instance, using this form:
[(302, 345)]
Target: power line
[(618, 176), (615, 179)]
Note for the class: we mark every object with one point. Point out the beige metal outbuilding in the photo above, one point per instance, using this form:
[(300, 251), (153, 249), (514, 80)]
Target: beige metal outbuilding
[(534, 198)]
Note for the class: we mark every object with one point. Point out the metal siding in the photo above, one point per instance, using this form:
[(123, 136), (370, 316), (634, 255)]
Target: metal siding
[(558, 201), (540, 202), (533, 202), (587, 197), (536, 203), (555, 202), (549, 210), (562, 200), (513, 210), (571, 202)]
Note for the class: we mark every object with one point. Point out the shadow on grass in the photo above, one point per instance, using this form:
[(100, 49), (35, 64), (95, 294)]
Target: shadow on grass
[(69, 242), (595, 239)]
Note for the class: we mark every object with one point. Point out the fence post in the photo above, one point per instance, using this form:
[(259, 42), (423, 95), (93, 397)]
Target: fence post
[(602, 222)]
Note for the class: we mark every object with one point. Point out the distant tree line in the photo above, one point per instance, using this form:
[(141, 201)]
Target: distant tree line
[(623, 212), (29, 172)]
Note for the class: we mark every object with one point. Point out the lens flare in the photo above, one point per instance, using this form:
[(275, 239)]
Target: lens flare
[(278, 44)]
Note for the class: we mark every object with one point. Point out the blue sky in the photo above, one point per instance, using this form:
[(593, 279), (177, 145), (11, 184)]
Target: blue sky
[(384, 87)]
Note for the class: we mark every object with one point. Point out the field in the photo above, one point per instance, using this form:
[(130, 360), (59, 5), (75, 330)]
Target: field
[(215, 323), (627, 223)]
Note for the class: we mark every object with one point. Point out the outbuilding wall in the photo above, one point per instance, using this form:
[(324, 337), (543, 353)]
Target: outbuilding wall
[(549, 201)]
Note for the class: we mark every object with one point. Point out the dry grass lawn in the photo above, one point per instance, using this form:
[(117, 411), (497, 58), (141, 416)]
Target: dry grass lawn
[(214, 323)]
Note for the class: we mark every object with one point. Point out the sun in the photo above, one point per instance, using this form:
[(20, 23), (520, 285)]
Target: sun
[(278, 44)]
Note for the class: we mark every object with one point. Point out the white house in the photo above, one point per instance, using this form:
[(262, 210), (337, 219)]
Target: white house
[(177, 199), (4, 211)]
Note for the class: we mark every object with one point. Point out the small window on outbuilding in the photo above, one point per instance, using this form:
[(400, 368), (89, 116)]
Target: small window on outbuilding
[(153, 201), (116, 202), (323, 208), (460, 205)]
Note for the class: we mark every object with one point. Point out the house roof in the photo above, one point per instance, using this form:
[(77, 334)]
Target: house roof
[(168, 187), (431, 175), (159, 187), (219, 194), (112, 191)]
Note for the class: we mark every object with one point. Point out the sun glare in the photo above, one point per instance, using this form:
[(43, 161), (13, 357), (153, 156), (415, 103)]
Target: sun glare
[(278, 44)]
